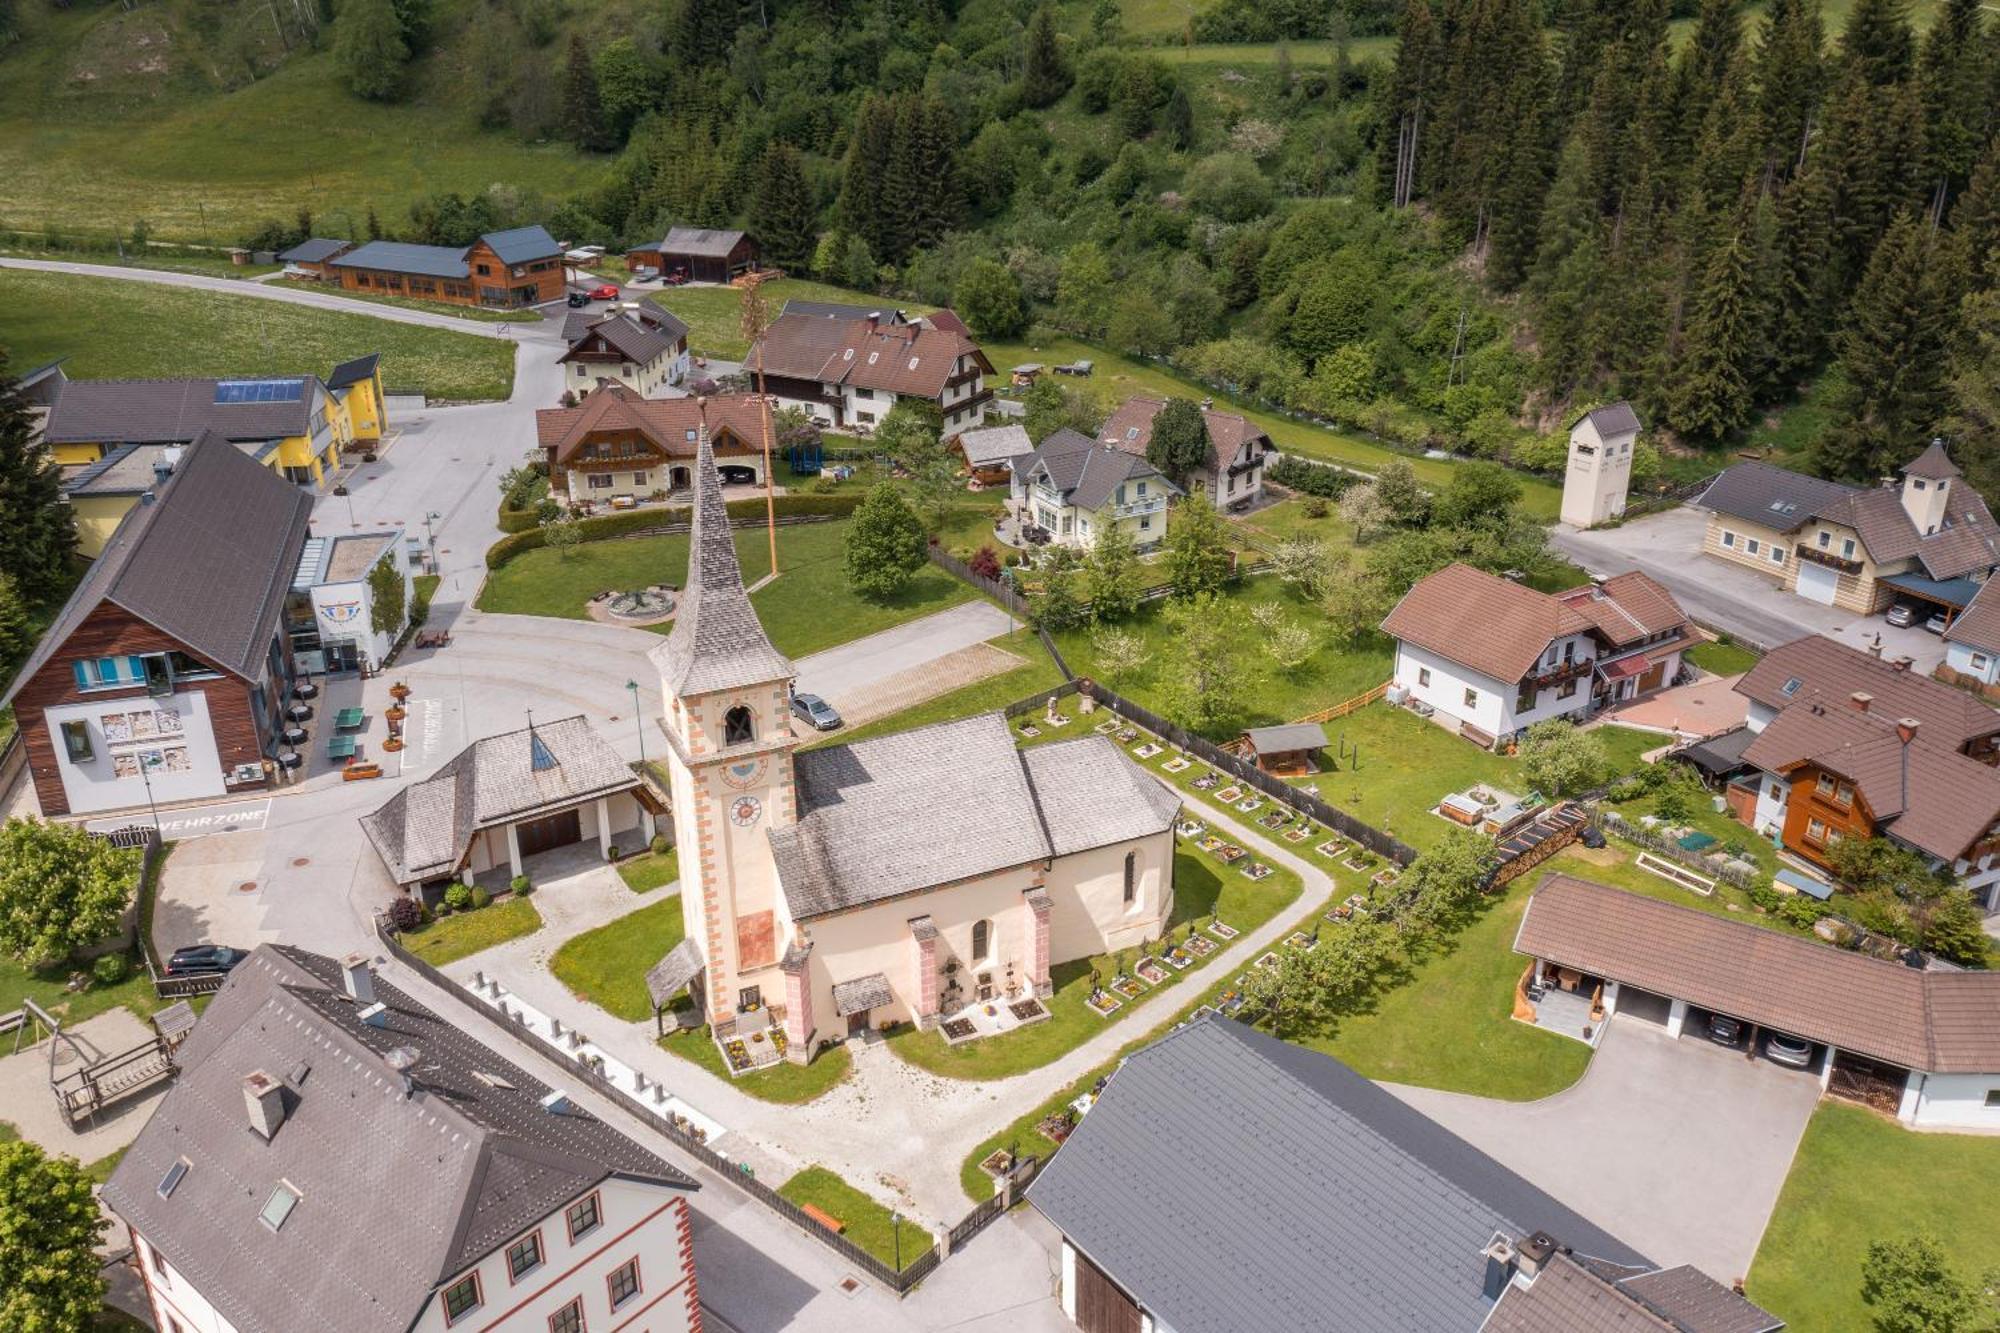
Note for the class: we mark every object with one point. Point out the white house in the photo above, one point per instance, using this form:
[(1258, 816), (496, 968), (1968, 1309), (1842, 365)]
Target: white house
[(330, 614), (847, 372), (636, 344), (901, 879), (1231, 476), (1972, 644), (1493, 656), (1073, 488), (332, 1155)]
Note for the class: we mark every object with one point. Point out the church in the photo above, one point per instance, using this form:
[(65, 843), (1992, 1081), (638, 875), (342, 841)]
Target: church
[(838, 890)]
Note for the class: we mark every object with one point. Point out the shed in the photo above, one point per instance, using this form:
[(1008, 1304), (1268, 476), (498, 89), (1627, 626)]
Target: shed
[(704, 254), (669, 977), (1284, 750), (314, 257), (991, 453)]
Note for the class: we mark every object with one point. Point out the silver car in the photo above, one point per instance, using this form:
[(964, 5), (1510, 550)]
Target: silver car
[(1902, 615), (1780, 1049)]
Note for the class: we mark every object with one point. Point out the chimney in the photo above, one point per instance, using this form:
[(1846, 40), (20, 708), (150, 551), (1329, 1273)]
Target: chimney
[(146, 497), (1861, 699), (358, 978), (1906, 729), (162, 469), (1499, 1256), (1902, 663), (1535, 1253), (264, 1099), (376, 1015)]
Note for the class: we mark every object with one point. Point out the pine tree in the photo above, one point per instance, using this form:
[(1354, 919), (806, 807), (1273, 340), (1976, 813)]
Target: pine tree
[(1706, 64), (1045, 71), (783, 214), (868, 150), (582, 113), (40, 527), (1177, 123), (1974, 424), (1803, 315), (1409, 101), (1569, 272), (368, 46), (1791, 79), (1892, 356), (940, 200), (1975, 223), (1710, 400), (1878, 42), (1957, 118)]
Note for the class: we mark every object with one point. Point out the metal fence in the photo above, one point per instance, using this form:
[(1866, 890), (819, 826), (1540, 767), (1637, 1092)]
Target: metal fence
[(901, 1283), (1374, 839), (1000, 591)]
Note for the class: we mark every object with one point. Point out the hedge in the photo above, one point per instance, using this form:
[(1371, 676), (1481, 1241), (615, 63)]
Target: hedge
[(516, 520), (637, 522)]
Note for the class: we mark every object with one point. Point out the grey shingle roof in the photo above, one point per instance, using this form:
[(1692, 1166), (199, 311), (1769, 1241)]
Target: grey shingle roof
[(665, 978), (1317, 1199), (423, 830), (1088, 473), (985, 806), (171, 412), (397, 1191), (208, 562), (1933, 463), (717, 642), (993, 445), (431, 261), (1774, 497), (837, 310), (1613, 419), (705, 242), (637, 339), (861, 994), (518, 245), (1291, 736), (316, 250)]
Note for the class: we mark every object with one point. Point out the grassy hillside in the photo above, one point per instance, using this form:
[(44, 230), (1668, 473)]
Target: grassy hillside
[(108, 116), (109, 327)]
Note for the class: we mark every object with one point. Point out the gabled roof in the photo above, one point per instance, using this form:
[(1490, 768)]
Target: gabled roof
[(717, 642), (399, 1190), (673, 424), (1291, 736), (430, 261), (423, 831), (1626, 608), (1495, 626), (1815, 665), (990, 446), (1611, 419), (1086, 473), (1131, 428), (1579, 1296), (909, 359), (1939, 1022), (1771, 496), (518, 245), (208, 562), (175, 411), (1979, 625), (887, 313), (987, 806), (1324, 1202), (702, 242), (315, 250), (1933, 463), (353, 372), (638, 337)]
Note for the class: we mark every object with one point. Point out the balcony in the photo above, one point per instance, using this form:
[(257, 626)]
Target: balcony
[(1138, 507), (1827, 558), (1561, 673)]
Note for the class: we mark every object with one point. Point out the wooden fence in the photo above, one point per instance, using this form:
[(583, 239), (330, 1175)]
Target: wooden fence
[(1340, 710), (913, 1272)]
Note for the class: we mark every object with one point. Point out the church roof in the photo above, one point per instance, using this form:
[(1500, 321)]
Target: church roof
[(936, 805), (717, 642)]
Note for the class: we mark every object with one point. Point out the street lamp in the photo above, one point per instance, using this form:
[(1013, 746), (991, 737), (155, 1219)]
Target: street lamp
[(146, 776), (431, 538), (638, 718), (896, 1223)]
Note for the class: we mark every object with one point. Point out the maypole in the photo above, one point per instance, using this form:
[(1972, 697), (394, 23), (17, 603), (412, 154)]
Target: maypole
[(755, 318)]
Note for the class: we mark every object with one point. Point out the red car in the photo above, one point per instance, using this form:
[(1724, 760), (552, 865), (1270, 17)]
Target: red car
[(675, 277), (607, 292)]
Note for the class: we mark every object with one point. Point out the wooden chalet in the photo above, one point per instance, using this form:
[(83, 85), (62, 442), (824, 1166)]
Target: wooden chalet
[(502, 269), (702, 253)]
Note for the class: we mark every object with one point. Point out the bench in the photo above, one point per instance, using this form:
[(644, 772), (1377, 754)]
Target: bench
[(825, 1219), (357, 772)]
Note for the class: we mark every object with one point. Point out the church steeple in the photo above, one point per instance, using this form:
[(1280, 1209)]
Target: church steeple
[(717, 641)]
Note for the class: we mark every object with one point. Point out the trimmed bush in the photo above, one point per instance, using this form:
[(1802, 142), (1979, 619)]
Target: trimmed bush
[(111, 969), (406, 914), (480, 898), (634, 521), (611, 852), (661, 844), (521, 886), (458, 897)]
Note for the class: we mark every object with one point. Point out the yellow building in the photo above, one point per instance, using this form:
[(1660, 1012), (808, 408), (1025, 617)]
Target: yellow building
[(117, 439)]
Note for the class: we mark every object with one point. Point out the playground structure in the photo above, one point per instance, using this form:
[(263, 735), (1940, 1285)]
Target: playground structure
[(97, 1082)]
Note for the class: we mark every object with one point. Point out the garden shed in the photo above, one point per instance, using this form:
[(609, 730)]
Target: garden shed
[(1286, 750)]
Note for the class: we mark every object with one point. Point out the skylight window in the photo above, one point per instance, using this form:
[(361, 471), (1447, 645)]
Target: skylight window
[(171, 1181), (279, 1206), (1791, 687), (913, 363), (492, 1080), (873, 357)]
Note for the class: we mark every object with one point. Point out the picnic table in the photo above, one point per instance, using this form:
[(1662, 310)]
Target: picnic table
[(433, 638), (340, 747), (349, 719)]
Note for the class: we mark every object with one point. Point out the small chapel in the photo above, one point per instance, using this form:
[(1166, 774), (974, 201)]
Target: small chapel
[(836, 891)]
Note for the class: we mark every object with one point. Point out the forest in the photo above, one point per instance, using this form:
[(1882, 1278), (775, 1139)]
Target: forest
[(1513, 210)]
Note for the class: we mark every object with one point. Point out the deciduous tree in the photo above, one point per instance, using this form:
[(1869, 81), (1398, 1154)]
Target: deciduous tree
[(1197, 559), (988, 295), (1912, 1287), (1179, 443), (1112, 575), (1560, 759), (1203, 678), (369, 48), (49, 1228), (885, 544), (60, 889), (386, 593)]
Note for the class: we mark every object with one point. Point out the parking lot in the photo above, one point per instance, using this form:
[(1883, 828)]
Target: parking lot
[(1678, 1147)]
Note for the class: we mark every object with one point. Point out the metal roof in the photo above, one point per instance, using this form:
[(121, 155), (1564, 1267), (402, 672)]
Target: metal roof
[(1312, 1197), (519, 245), (431, 261), (702, 242), (1613, 419), (1291, 736), (316, 250), (1771, 496)]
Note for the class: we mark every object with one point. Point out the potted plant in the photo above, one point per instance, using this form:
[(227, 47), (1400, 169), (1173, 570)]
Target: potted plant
[(399, 691)]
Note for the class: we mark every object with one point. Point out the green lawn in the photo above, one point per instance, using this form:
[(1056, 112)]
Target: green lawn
[(866, 1222), (1859, 1178), (810, 606), (1204, 888), (473, 313), (783, 1082), (607, 966), (206, 265), (644, 873), (1724, 659), (714, 315), (462, 934), (1036, 674), (52, 315)]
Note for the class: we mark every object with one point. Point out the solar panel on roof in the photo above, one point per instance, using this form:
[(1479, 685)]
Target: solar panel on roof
[(259, 391)]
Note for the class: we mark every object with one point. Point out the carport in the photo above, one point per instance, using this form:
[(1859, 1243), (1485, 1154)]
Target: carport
[(1949, 595), (1932, 1039)]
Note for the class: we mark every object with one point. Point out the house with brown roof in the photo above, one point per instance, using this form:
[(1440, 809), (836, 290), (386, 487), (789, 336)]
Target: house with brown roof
[(1492, 656), (617, 443), (847, 372), (1972, 643), (636, 344), (1928, 539), (1846, 745), (1924, 1044), (1232, 476)]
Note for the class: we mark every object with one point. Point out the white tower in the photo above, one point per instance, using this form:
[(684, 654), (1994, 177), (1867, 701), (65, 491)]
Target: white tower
[(1600, 465), (728, 724), (1927, 481)]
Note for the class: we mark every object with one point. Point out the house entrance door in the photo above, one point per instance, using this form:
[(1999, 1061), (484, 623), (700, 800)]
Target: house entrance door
[(857, 1023), (558, 830)]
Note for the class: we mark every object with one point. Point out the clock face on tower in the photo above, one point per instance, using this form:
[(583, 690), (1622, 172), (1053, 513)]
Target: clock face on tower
[(743, 811)]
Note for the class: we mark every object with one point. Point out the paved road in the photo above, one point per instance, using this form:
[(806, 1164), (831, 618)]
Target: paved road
[(1678, 1148), (853, 668), (296, 294), (1728, 597)]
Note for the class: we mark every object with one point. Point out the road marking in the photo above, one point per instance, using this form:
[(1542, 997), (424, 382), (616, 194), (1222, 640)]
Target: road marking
[(235, 817)]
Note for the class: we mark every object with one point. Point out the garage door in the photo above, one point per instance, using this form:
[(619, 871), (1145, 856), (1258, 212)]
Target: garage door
[(539, 835), (1100, 1306), (1642, 1005), (1817, 583)]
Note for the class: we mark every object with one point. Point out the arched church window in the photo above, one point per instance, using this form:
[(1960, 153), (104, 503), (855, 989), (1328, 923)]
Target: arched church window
[(1131, 878), (982, 940), (738, 727)]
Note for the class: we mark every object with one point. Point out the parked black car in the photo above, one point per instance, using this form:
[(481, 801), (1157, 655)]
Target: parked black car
[(197, 958), (578, 299), (1724, 1031)]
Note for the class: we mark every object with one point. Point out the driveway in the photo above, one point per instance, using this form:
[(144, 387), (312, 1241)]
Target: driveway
[(1728, 597), (1678, 1148), (847, 675)]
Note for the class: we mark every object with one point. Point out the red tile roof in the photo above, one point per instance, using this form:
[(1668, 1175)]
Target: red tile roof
[(671, 423), (1817, 665), (1131, 428), (911, 359)]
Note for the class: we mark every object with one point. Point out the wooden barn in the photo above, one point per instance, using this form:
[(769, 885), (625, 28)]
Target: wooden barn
[(702, 253)]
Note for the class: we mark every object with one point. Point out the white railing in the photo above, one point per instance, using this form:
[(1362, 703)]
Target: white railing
[(1138, 507)]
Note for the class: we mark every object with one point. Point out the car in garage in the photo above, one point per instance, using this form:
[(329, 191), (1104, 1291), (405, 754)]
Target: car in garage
[(815, 712), (1725, 1031), (1902, 615), (1794, 1051), (1938, 623)]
